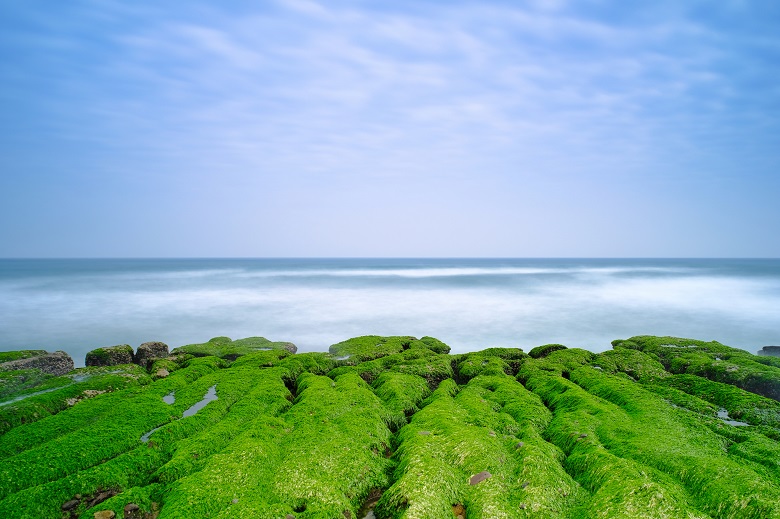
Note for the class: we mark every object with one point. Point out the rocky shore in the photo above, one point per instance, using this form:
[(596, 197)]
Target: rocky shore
[(391, 428)]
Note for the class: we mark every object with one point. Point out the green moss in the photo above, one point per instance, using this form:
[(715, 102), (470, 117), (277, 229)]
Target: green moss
[(146, 498), (678, 398), (109, 355), (559, 362)]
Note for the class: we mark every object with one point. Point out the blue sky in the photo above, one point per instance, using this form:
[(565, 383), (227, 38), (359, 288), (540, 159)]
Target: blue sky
[(305, 128)]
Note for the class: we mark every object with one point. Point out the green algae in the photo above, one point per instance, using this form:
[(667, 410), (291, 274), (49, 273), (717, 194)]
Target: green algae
[(688, 452), (16, 382), (634, 363), (226, 348), (461, 433), (106, 356), (575, 434), (544, 350), (370, 347), (422, 362), (491, 361), (8, 356), (319, 459), (402, 394), (741, 404), (59, 393), (711, 360)]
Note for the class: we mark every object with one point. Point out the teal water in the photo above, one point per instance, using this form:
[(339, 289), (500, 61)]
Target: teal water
[(77, 305)]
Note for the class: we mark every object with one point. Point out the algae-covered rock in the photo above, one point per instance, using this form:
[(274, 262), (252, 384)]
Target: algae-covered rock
[(110, 356), (491, 361), (544, 350), (645, 430), (370, 347), (711, 360), (228, 349), (57, 363)]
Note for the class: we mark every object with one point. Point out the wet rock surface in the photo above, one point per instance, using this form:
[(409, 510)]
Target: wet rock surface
[(81, 503), (57, 363)]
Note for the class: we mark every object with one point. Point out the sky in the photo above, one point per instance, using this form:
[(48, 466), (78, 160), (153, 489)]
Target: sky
[(298, 128)]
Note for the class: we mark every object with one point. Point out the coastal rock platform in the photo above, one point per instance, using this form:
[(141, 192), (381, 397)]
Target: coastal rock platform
[(399, 428)]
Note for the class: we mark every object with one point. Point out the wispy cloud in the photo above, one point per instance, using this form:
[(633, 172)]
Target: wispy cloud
[(299, 90)]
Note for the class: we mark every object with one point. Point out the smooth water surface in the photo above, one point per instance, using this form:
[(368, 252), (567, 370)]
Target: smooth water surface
[(210, 396), (169, 399), (78, 305)]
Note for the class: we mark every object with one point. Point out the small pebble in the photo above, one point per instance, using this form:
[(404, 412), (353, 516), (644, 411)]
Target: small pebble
[(477, 478)]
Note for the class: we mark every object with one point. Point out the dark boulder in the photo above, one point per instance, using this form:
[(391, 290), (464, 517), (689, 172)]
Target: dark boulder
[(149, 351)]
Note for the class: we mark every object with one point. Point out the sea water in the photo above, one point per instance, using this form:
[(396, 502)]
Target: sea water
[(80, 304)]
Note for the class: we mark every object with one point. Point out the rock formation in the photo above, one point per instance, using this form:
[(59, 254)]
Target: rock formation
[(149, 351), (110, 356), (57, 363)]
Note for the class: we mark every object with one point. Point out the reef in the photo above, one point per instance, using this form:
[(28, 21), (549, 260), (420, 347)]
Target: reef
[(394, 428)]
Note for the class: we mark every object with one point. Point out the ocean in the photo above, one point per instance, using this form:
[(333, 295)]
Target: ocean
[(80, 304)]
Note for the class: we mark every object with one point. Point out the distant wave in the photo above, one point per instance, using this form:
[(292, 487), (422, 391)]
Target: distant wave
[(427, 272)]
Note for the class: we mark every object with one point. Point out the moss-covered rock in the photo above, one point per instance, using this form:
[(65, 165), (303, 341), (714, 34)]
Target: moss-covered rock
[(711, 360), (228, 349), (57, 363), (110, 356), (148, 352), (370, 347), (544, 350), (418, 432), (492, 361)]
